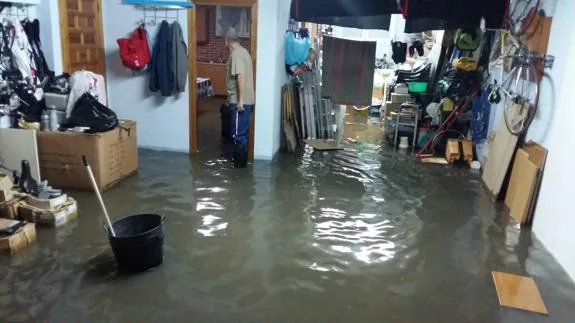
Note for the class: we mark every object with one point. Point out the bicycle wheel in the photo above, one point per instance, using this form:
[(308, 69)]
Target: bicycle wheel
[(521, 90), (521, 15)]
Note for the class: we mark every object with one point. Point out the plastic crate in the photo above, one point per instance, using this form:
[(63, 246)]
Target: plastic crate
[(417, 87)]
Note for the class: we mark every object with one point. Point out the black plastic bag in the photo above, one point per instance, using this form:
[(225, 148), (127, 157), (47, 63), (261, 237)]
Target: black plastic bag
[(58, 84), (88, 112)]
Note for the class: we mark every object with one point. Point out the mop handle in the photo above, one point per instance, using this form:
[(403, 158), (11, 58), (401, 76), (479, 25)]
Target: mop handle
[(97, 190)]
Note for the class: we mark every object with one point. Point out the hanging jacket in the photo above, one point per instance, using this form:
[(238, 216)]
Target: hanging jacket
[(179, 58), (32, 30), (161, 65), (22, 54)]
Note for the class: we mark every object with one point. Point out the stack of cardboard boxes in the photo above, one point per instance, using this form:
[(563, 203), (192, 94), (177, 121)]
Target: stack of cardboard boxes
[(19, 214), (15, 235), (113, 156)]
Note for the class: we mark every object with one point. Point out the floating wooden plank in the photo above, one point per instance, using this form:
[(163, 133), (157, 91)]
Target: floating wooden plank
[(322, 144), (434, 160), (518, 292)]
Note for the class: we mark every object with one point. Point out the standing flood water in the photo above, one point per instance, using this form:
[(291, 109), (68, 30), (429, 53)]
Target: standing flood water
[(343, 236)]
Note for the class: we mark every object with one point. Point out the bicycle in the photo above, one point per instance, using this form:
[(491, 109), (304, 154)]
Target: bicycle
[(521, 86)]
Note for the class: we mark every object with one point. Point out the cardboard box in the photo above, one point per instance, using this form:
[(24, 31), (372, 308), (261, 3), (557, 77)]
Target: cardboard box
[(6, 196), (459, 149), (452, 152), (48, 203), (54, 218), (9, 209), (401, 98), (467, 147), (113, 155), (19, 240)]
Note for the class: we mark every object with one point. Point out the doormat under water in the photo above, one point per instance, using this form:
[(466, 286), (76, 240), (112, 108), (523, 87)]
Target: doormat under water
[(323, 144), (518, 292)]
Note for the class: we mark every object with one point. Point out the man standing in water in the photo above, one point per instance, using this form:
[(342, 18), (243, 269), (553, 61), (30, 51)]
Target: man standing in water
[(241, 95)]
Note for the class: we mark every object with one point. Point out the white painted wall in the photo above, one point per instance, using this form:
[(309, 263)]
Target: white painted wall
[(48, 14), (273, 17), (162, 122), (543, 121), (46, 11), (554, 213)]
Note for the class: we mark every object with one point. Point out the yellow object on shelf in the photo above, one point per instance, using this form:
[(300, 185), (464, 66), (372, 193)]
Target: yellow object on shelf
[(467, 64), (447, 105)]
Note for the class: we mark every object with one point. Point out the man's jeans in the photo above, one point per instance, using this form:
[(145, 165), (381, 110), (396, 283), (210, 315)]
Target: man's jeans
[(241, 129)]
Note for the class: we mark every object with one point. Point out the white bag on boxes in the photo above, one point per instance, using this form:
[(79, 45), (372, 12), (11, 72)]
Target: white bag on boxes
[(86, 82)]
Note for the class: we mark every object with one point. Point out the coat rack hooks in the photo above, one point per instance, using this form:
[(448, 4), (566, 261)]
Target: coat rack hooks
[(18, 11), (153, 15), (173, 4)]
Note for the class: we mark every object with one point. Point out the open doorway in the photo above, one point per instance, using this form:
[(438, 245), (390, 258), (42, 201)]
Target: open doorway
[(208, 56)]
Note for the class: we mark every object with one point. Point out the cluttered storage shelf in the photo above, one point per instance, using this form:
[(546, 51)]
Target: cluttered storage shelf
[(47, 123), (431, 89)]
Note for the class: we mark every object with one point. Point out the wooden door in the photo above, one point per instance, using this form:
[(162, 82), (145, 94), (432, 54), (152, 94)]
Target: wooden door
[(201, 25), (82, 35), (192, 61)]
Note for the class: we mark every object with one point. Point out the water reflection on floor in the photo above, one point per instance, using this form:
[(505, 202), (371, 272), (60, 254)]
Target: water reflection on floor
[(362, 235)]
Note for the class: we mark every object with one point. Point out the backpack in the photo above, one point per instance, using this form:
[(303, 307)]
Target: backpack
[(135, 50), (296, 49), (467, 39)]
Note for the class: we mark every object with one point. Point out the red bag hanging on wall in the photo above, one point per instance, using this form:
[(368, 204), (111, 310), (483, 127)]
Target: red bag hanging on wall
[(135, 50)]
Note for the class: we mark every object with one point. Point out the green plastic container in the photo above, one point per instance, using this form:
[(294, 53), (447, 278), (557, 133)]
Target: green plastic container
[(417, 87)]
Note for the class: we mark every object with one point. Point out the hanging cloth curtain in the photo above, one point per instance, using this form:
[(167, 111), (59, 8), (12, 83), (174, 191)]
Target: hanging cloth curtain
[(347, 71)]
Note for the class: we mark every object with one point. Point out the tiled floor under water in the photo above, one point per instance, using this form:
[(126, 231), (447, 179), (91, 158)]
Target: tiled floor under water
[(358, 235)]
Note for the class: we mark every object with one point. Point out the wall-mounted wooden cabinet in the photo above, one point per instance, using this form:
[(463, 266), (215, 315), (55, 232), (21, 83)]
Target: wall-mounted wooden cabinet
[(216, 73), (201, 24)]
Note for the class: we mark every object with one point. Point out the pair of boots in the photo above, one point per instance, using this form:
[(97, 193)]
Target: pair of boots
[(240, 156)]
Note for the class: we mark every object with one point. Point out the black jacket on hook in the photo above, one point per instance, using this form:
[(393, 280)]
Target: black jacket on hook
[(161, 64)]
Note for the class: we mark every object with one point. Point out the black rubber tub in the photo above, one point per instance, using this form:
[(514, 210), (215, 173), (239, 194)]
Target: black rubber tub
[(139, 242)]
